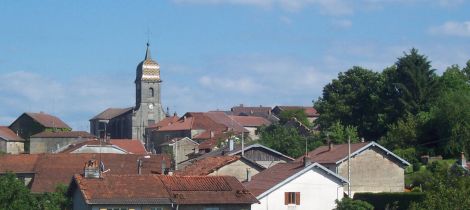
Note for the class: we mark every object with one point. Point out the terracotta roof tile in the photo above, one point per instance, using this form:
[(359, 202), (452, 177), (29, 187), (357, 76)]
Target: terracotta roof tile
[(224, 119), (193, 121), (251, 121), (207, 165), (247, 110), (165, 122), (111, 113), (324, 155), (161, 189), (7, 134), (64, 134), (134, 146), (18, 163), (48, 120), (53, 169), (268, 178)]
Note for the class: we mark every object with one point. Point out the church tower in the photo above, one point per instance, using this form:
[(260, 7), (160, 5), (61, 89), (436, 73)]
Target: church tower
[(148, 107)]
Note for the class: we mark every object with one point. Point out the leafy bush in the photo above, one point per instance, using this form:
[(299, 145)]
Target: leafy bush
[(399, 201)]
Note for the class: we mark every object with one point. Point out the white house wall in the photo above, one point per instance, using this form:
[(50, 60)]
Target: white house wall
[(317, 192)]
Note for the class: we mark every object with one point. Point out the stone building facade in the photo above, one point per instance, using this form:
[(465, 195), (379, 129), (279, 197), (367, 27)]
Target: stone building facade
[(130, 123)]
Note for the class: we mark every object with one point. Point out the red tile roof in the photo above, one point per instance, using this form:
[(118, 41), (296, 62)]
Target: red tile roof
[(272, 176), (250, 110), (53, 169), (193, 121), (7, 134), (134, 146), (18, 163), (207, 190), (324, 155), (251, 121), (224, 119), (211, 142), (207, 165), (165, 122), (47, 120), (64, 134), (161, 189), (111, 113)]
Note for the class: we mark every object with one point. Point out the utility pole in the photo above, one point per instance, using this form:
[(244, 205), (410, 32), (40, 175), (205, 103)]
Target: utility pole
[(349, 166)]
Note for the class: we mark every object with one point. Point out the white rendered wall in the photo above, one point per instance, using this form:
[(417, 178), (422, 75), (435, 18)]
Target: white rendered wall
[(317, 192)]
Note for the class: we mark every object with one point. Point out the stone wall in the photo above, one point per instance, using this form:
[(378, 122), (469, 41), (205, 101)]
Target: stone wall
[(238, 169), (49, 145), (373, 171)]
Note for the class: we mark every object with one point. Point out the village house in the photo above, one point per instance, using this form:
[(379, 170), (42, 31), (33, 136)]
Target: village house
[(158, 192), (10, 142), (28, 124), (296, 185), (252, 124), (258, 111), (117, 146), (51, 141), (239, 167), (179, 149), (373, 168), (43, 172), (257, 153)]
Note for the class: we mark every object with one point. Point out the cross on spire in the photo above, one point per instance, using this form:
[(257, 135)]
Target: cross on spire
[(147, 53)]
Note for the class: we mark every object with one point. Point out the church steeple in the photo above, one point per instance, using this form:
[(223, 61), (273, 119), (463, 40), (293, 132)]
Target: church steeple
[(147, 52)]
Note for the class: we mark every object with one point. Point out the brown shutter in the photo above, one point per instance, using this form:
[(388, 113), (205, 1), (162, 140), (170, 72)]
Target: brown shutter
[(297, 198), (286, 198)]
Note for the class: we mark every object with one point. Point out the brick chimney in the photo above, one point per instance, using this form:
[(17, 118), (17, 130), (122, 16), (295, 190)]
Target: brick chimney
[(91, 169)]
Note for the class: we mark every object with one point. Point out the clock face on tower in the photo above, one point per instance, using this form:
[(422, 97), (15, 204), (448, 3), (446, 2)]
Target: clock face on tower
[(150, 106)]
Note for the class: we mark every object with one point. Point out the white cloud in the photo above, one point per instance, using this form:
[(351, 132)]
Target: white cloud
[(452, 28)]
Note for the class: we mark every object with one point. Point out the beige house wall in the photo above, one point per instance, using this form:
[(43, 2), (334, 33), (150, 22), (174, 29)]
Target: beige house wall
[(238, 169), (372, 171)]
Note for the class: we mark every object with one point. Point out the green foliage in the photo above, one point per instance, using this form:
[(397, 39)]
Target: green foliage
[(399, 201), (339, 134), (350, 204), (287, 140), (445, 190), (409, 154), (14, 194), (299, 114), (354, 99), (415, 82)]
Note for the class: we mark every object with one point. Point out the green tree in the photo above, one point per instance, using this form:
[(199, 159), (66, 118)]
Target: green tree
[(350, 204), (299, 114), (415, 82), (14, 194), (354, 99), (287, 140), (339, 134), (55, 200)]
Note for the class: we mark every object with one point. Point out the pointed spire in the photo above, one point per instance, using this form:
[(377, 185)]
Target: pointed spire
[(147, 53)]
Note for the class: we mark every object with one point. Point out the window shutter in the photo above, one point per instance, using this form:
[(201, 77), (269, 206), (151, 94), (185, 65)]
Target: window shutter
[(297, 198), (286, 198)]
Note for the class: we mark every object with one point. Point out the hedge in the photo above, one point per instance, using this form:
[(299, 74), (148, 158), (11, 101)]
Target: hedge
[(380, 200)]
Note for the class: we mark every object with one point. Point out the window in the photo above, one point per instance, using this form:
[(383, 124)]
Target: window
[(151, 92), (292, 198)]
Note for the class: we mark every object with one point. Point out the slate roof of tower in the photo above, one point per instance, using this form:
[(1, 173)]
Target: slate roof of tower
[(53, 169), (111, 113), (7, 134), (47, 120), (161, 189)]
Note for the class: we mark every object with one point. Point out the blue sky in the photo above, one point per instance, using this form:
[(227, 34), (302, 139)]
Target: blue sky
[(73, 59)]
